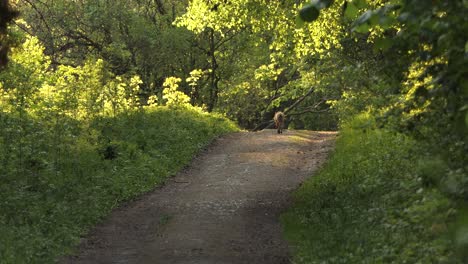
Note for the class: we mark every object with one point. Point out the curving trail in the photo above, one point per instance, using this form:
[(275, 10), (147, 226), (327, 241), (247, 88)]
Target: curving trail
[(223, 208)]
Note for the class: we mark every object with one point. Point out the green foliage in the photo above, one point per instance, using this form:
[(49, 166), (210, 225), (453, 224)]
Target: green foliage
[(75, 142), (261, 53), (77, 92), (133, 37), (396, 193), (172, 97), (62, 187), (310, 12), (402, 61), (371, 204)]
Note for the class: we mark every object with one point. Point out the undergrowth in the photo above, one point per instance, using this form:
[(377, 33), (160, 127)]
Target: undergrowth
[(372, 203), (68, 184)]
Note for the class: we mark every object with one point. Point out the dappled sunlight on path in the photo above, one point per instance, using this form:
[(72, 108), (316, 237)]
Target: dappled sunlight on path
[(223, 208)]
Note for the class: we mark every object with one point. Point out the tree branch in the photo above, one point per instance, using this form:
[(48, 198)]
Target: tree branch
[(311, 90), (76, 35), (221, 42), (264, 125), (269, 124), (41, 16), (309, 110), (23, 28), (160, 6)]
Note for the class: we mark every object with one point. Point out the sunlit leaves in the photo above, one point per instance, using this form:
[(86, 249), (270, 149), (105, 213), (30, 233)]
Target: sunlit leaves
[(267, 72), (172, 96), (78, 92), (371, 18), (202, 15), (132, 36)]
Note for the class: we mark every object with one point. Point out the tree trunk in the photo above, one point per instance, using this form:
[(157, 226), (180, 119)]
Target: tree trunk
[(6, 16), (214, 79)]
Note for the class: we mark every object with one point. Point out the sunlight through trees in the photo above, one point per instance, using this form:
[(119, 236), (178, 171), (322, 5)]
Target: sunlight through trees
[(102, 96)]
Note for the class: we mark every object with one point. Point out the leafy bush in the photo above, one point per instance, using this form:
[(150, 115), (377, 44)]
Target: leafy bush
[(60, 175), (53, 199), (75, 142), (371, 204)]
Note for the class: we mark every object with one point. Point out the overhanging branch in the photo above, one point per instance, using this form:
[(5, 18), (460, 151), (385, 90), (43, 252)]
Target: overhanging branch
[(269, 124), (311, 90)]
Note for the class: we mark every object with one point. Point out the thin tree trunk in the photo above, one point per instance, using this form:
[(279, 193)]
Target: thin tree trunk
[(213, 78), (7, 16)]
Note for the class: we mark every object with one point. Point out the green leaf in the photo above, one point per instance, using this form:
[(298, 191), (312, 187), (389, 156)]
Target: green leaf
[(309, 13), (299, 22), (386, 21), (351, 11), (364, 18), (363, 28), (361, 24), (360, 3), (374, 19), (383, 44)]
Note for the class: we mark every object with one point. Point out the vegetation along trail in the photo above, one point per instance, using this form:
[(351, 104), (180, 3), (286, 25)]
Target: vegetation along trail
[(224, 208)]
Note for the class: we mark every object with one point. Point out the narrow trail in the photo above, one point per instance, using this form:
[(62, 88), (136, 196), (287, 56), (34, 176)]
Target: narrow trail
[(224, 208)]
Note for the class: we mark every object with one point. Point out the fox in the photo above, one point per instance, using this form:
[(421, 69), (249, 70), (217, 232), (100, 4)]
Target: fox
[(279, 121)]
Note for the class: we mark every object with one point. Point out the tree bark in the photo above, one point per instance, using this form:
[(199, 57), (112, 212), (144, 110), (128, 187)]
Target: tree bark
[(6, 16), (213, 78)]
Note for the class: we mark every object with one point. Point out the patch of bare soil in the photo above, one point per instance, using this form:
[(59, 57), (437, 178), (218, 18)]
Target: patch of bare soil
[(224, 208)]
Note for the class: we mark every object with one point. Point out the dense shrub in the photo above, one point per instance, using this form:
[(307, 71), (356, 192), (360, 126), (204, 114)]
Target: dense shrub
[(372, 204), (75, 141), (61, 186)]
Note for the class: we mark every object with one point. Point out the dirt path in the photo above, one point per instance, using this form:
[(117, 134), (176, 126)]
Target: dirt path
[(224, 208)]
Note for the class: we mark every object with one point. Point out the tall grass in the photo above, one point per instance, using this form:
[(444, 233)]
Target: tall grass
[(371, 204), (68, 184)]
